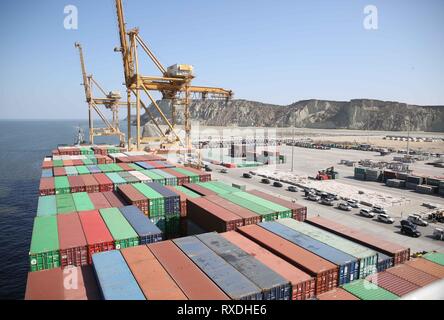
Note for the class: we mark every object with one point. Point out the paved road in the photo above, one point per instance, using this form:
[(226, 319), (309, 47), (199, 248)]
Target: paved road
[(352, 219)]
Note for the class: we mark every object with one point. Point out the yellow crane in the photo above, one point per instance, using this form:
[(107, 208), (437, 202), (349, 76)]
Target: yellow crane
[(111, 101), (174, 83)]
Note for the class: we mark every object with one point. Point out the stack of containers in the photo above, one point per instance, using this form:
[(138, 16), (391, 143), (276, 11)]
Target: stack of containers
[(389, 174), (347, 264), (44, 252), (367, 258), (392, 283), (324, 272), (47, 186), (360, 173), (247, 216), (61, 185), (133, 197), (72, 241), (413, 182), (76, 183), (398, 253), (199, 190), (99, 201), (129, 178), (65, 203), (123, 234), (192, 176), (145, 229), (105, 183), (116, 179), (140, 176), (424, 189), (395, 183), (154, 176), (203, 176), (372, 174), (113, 199), (91, 185), (180, 177), (46, 206), (184, 194), (281, 212), (170, 180), (82, 202), (265, 213), (418, 277)]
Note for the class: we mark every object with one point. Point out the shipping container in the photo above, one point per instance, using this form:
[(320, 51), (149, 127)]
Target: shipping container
[(154, 176), (76, 184), (265, 213), (140, 176), (47, 187), (188, 192), (59, 171), (91, 185), (145, 165), (299, 212), (134, 197), (348, 265), (192, 177), (152, 278), (191, 280), (392, 283), (182, 198), (116, 282), (135, 167), (223, 185), (44, 251), (61, 185), (46, 173), (50, 284), (116, 179), (170, 198), (415, 276), (199, 190), (324, 272), (435, 257), (247, 216), (106, 168), (212, 217), (47, 206), (272, 285), (96, 233), (337, 294), (114, 199), (303, 285), (399, 253), (180, 177), (281, 211), (105, 183), (367, 258), (99, 201), (212, 187), (427, 266), (125, 166), (82, 202), (203, 176), (123, 234), (156, 203), (81, 170), (72, 241), (129, 178), (227, 278), (71, 171), (145, 229), (65, 203), (93, 169), (170, 180), (366, 290), (384, 262)]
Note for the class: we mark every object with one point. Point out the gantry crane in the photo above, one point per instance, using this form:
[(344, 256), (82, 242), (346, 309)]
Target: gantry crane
[(111, 101), (174, 83)]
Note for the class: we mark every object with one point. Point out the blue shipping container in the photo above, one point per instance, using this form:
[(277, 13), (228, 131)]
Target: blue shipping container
[(231, 281), (94, 169), (348, 265), (46, 173), (384, 262), (171, 199), (145, 229), (165, 164), (274, 286), (116, 282), (145, 165)]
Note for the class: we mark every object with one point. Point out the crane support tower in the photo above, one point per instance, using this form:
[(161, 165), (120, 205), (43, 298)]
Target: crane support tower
[(174, 84), (111, 101)]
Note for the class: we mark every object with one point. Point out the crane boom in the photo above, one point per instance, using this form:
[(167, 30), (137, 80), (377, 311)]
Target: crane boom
[(86, 83)]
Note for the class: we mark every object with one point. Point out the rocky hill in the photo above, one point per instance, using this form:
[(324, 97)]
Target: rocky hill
[(359, 114)]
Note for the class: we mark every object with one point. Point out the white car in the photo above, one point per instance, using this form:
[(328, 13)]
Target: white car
[(353, 203), (344, 206), (378, 209), (438, 234), (366, 213), (385, 218), (413, 218), (313, 197)]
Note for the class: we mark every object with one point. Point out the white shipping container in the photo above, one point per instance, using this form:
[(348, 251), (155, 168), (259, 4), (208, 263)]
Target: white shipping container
[(140, 176)]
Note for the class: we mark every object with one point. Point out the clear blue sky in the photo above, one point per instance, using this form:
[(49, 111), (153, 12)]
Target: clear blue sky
[(269, 51)]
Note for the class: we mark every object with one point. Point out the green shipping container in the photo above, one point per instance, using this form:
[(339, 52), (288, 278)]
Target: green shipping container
[(368, 259), (88, 162), (224, 186), (135, 167), (116, 179), (57, 163), (105, 168), (170, 180), (154, 176), (435, 257), (47, 206), (281, 211), (265, 213), (194, 177), (62, 185), (115, 168), (156, 205), (44, 252), (188, 192), (366, 290), (65, 203), (123, 234), (71, 171), (213, 188), (82, 170), (82, 201)]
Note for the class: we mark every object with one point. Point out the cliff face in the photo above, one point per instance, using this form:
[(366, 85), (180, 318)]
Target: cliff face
[(359, 114)]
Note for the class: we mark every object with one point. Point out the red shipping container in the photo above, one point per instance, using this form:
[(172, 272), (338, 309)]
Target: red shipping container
[(212, 217), (415, 276), (76, 183), (46, 187), (72, 241), (324, 272), (99, 201), (181, 178), (399, 253), (337, 294), (125, 166), (97, 235), (105, 183), (114, 200), (91, 185), (47, 164), (155, 164), (392, 283), (77, 162), (134, 197), (247, 216), (203, 176), (199, 190), (427, 266), (59, 171), (299, 211), (67, 163), (183, 200), (101, 159)]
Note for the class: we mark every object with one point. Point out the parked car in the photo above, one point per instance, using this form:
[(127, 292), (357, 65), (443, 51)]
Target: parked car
[(277, 184), (438, 234), (333, 196), (353, 203), (413, 218), (344, 206), (247, 176), (265, 181), (292, 189), (313, 197), (223, 171), (366, 213), (208, 169), (408, 223), (411, 232), (378, 209), (385, 218), (327, 201)]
